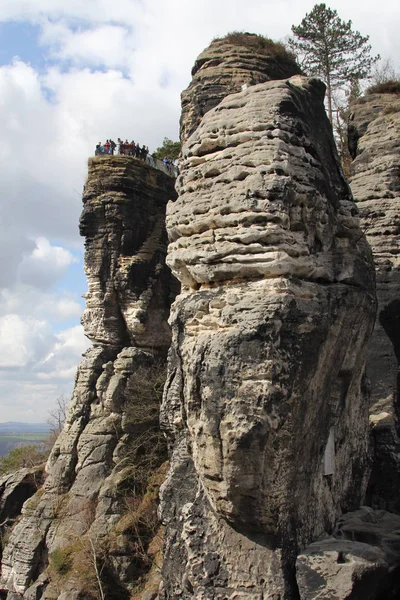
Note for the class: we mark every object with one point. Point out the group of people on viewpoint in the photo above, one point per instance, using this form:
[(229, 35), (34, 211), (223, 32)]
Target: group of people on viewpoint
[(137, 151), (128, 148)]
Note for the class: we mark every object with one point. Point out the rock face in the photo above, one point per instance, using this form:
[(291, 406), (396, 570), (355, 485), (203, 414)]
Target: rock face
[(225, 66), (17, 487), (265, 404), (375, 181), (93, 462)]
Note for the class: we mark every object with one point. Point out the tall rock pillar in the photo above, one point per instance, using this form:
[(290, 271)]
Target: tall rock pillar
[(265, 404), (113, 418), (375, 181)]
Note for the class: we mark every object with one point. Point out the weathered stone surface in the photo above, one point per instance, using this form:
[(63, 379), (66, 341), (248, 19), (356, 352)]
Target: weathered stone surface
[(375, 182), (129, 293), (17, 487), (269, 346), (361, 560), (123, 222), (221, 69)]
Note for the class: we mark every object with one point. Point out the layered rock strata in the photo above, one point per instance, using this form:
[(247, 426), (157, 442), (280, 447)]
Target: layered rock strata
[(92, 465), (265, 404), (375, 181), (227, 64)]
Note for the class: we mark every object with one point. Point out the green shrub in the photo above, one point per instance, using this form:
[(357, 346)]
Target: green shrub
[(386, 87), (61, 560)]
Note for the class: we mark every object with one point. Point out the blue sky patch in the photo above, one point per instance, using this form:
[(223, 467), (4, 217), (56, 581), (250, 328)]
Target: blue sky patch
[(20, 38)]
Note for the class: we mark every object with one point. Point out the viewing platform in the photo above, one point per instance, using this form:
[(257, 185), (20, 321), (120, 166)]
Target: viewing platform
[(168, 168)]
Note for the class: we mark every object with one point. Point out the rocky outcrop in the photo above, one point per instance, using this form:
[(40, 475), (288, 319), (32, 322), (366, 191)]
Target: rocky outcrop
[(361, 560), (111, 441), (375, 181), (265, 403), (16, 488), (227, 64)]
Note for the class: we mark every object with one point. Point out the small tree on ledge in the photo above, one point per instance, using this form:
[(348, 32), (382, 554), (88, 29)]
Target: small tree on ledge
[(169, 149), (328, 48)]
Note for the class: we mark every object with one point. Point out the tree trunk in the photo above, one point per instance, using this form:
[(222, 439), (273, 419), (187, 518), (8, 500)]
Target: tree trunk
[(329, 92)]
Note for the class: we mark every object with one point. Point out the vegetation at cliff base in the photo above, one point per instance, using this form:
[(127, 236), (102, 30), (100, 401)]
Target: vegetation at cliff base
[(329, 48)]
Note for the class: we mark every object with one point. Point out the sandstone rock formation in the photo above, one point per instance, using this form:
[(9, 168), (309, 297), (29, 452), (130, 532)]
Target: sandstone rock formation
[(375, 181), (17, 487), (361, 560), (227, 64), (265, 403), (113, 419)]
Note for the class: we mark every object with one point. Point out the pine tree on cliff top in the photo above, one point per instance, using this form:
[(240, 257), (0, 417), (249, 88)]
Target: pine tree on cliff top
[(328, 48)]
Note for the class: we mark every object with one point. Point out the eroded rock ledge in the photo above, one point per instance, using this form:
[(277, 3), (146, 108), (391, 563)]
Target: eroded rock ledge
[(80, 511), (265, 402)]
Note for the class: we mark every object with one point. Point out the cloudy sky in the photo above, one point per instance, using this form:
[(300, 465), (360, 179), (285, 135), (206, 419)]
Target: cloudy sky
[(73, 72)]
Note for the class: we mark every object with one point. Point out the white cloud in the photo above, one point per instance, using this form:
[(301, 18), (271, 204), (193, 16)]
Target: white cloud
[(45, 265), (62, 360), (28, 301), (106, 45), (28, 401), (22, 341), (36, 366)]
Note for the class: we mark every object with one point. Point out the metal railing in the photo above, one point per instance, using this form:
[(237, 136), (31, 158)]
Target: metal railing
[(169, 168)]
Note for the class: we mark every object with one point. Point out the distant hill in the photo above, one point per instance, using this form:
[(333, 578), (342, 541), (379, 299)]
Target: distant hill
[(16, 427)]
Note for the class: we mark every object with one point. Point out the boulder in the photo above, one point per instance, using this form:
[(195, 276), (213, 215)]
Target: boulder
[(361, 560), (16, 488)]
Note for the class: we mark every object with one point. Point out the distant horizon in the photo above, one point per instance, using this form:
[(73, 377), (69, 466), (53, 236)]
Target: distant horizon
[(30, 422), (11, 427)]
